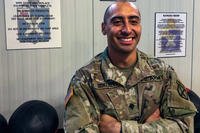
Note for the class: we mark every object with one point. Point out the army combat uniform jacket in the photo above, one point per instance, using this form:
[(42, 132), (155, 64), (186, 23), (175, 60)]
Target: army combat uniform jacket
[(130, 97)]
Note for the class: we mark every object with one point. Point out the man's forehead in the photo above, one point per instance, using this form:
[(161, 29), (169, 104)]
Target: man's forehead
[(123, 7), (123, 4)]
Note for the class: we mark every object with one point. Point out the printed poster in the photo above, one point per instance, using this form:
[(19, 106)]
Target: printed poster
[(170, 34), (33, 24)]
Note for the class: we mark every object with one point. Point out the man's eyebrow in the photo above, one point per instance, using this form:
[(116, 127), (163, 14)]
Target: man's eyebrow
[(116, 17), (134, 17), (121, 17)]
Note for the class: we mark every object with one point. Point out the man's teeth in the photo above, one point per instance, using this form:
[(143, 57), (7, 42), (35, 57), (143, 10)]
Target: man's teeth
[(126, 39)]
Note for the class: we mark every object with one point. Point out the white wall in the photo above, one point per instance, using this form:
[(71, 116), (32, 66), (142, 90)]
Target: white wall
[(45, 73), (196, 48)]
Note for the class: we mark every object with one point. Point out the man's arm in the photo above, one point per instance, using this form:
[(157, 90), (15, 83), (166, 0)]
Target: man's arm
[(155, 123), (81, 112), (108, 124)]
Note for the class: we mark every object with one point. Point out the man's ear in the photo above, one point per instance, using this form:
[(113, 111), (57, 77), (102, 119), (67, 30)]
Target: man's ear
[(103, 28)]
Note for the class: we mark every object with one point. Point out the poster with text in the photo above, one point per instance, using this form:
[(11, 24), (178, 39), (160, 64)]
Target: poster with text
[(170, 34), (33, 24)]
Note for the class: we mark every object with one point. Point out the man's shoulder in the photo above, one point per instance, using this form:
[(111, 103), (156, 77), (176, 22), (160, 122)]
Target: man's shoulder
[(93, 64), (154, 62)]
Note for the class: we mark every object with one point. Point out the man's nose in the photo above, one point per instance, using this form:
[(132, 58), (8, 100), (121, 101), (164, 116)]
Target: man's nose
[(126, 29)]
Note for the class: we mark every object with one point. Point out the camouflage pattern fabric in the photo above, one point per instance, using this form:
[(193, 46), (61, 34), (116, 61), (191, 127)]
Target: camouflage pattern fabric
[(102, 88)]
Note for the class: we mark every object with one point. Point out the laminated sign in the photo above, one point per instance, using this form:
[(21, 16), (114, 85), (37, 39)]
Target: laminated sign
[(170, 34), (33, 24)]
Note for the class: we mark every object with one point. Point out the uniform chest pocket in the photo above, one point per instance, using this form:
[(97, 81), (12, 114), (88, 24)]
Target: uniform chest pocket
[(151, 91), (123, 104)]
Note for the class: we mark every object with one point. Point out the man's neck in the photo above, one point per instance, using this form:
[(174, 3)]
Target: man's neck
[(123, 60)]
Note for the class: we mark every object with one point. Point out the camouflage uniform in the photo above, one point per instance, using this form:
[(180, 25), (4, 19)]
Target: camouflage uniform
[(102, 88)]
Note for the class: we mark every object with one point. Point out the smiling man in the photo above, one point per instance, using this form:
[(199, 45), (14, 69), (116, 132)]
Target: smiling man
[(123, 29), (124, 90)]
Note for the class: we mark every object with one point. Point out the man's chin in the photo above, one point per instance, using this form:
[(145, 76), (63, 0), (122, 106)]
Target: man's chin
[(127, 50)]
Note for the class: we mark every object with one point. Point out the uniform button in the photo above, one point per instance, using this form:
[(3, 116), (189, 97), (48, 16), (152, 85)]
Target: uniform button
[(131, 106)]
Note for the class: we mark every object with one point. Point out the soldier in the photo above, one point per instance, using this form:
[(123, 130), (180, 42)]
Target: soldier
[(124, 90)]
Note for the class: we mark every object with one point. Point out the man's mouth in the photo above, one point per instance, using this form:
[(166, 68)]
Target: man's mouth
[(126, 41)]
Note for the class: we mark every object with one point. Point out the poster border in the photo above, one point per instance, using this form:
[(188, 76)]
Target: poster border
[(55, 43), (155, 35)]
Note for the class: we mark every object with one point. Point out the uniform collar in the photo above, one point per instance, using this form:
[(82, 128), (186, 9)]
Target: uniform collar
[(140, 70)]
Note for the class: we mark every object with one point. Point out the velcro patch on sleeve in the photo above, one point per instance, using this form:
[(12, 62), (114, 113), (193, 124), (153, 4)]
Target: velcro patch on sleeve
[(69, 95), (181, 90)]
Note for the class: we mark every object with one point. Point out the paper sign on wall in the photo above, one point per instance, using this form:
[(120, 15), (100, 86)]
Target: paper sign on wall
[(170, 34), (33, 24)]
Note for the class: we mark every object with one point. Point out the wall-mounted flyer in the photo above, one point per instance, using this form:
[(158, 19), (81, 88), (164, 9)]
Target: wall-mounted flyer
[(33, 24), (170, 34)]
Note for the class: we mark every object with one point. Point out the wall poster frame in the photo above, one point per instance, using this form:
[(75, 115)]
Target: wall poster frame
[(32, 24)]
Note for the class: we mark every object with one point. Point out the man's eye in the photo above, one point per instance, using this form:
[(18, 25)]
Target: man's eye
[(134, 22), (117, 22)]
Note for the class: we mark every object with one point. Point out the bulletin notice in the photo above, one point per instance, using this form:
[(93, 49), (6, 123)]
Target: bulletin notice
[(170, 34), (33, 24)]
